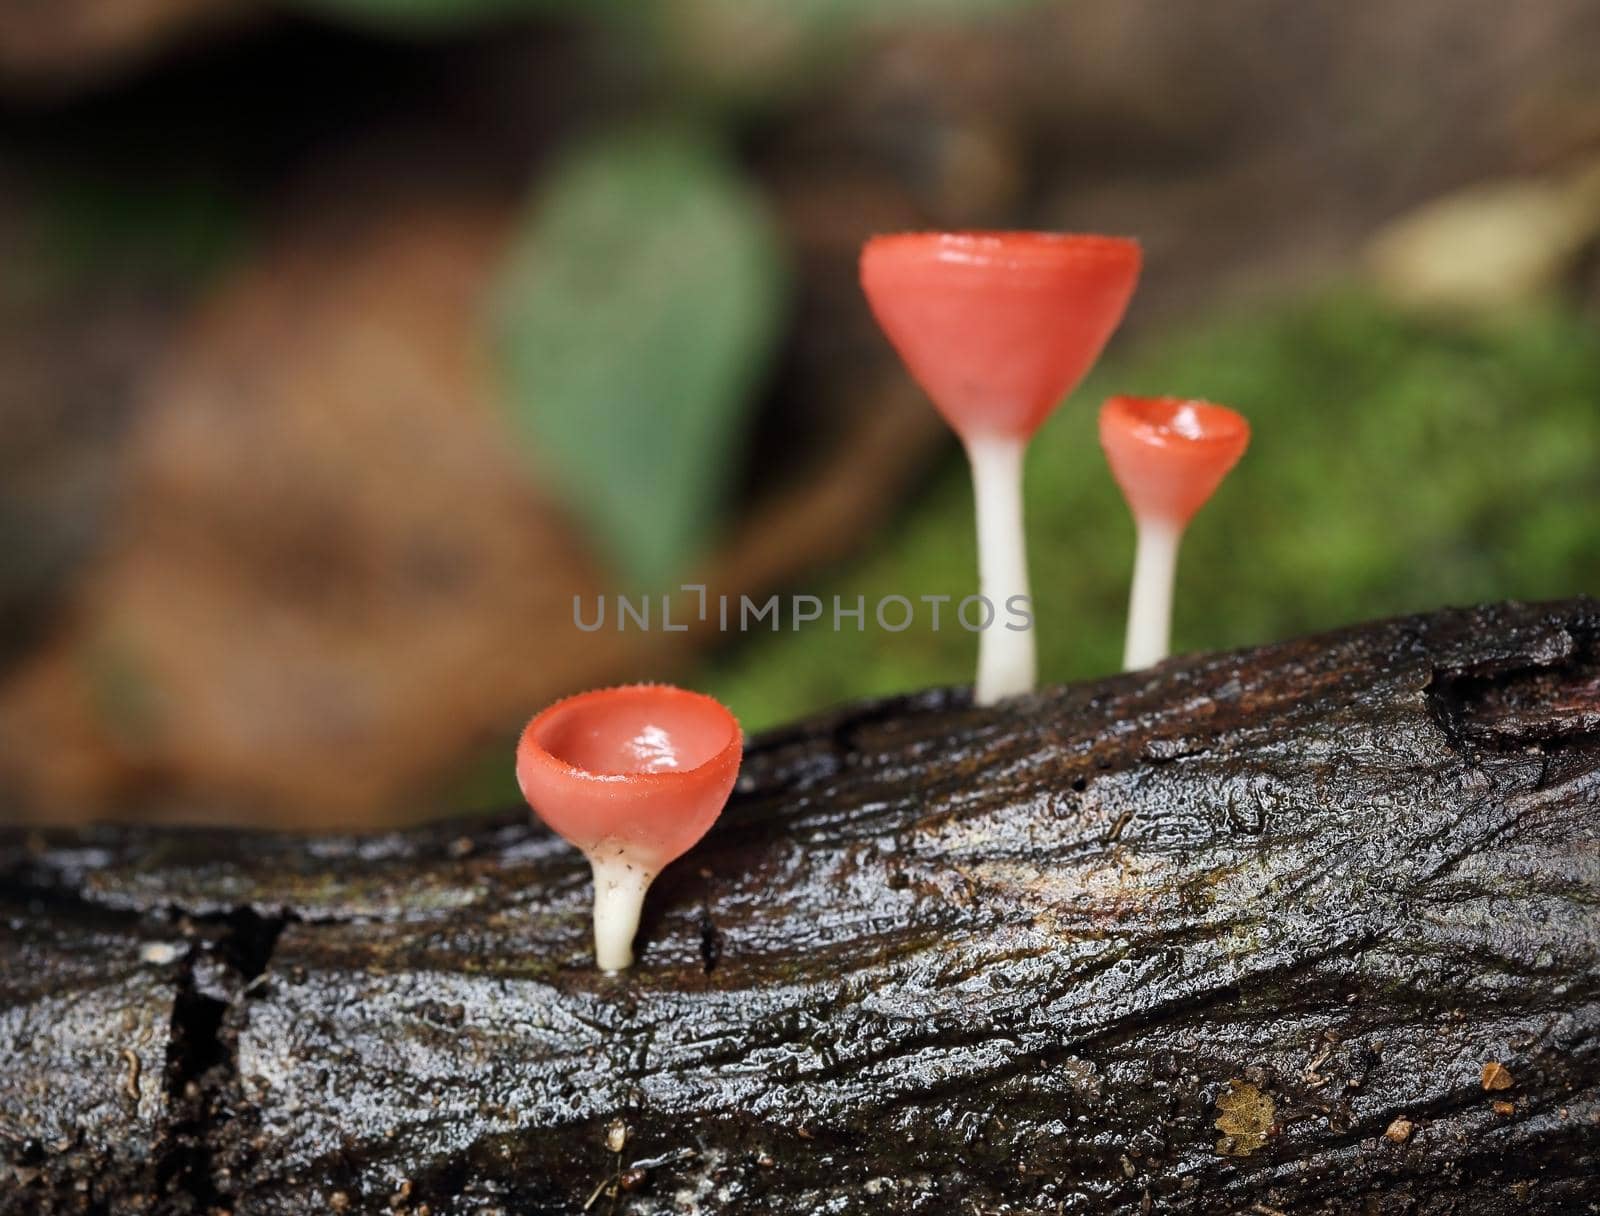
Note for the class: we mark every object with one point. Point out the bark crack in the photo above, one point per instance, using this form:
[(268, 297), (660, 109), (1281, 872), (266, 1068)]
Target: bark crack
[(202, 1055)]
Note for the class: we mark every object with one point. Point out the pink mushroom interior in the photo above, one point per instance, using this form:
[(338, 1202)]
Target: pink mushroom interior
[(643, 730)]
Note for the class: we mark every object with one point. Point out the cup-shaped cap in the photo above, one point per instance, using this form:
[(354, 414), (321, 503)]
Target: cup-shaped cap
[(644, 769), (1169, 454), (997, 327)]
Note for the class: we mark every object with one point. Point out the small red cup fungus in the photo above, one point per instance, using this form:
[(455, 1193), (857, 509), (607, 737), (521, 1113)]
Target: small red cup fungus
[(1169, 455), (633, 777), (997, 327)]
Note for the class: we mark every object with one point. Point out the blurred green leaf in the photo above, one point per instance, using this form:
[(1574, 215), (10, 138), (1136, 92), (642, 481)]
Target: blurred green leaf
[(637, 310)]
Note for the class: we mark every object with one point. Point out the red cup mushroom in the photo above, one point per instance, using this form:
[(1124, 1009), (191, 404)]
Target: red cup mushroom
[(1169, 455), (997, 327), (633, 777)]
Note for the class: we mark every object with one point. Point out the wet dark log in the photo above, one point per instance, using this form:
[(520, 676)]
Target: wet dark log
[(1309, 928)]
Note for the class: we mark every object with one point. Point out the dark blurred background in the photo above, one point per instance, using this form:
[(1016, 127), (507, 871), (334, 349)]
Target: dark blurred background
[(343, 342)]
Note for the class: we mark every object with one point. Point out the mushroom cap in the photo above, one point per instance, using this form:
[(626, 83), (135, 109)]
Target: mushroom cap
[(997, 327), (644, 769), (1169, 454)]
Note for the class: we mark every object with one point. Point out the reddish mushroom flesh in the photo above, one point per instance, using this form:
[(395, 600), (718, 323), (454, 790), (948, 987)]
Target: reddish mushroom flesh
[(997, 327), (1169, 455), (634, 777)]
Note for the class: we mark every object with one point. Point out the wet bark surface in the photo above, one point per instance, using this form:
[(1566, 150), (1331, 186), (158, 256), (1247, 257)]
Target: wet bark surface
[(1314, 927)]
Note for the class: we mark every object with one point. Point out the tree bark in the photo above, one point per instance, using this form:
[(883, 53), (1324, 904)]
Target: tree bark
[(1314, 927)]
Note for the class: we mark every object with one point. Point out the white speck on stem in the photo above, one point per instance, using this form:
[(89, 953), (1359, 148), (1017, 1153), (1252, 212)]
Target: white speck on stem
[(1155, 567), (1006, 661), (619, 887)]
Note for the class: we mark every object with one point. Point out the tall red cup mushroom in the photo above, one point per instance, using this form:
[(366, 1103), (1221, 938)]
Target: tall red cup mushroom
[(1169, 455), (997, 327), (634, 777)]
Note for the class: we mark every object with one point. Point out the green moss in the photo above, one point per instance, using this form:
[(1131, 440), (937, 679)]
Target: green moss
[(1396, 467)]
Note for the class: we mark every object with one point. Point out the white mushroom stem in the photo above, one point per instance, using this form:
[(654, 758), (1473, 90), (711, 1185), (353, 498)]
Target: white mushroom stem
[(1006, 663), (619, 887), (1155, 567)]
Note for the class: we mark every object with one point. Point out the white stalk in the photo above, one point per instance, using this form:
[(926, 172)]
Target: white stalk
[(1155, 567), (619, 887), (1006, 663)]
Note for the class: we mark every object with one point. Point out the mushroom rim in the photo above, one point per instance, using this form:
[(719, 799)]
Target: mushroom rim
[(1122, 412), (529, 747), (1009, 247)]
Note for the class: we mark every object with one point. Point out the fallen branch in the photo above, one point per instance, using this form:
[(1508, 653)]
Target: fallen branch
[(1312, 927)]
